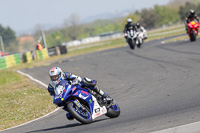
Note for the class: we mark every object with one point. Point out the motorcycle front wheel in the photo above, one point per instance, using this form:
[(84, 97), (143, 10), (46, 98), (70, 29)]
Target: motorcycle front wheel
[(193, 36), (83, 116), (131, 44)]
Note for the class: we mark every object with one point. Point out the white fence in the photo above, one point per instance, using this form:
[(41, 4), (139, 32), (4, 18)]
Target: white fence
[(106, 36)]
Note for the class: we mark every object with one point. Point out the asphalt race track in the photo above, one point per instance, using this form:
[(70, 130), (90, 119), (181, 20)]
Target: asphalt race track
[(156, 87)]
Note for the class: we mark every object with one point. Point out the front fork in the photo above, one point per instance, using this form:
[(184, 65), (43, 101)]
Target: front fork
[(76, 102)]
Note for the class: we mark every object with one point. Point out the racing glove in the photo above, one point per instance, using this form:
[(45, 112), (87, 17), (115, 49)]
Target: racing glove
[(75, 82), (125, 35)]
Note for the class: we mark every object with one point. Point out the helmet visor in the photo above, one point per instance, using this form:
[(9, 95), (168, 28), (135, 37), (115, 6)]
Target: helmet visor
[(54, 78)]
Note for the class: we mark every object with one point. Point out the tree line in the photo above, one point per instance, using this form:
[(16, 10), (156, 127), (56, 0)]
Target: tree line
[(160, 15), (9, 38)]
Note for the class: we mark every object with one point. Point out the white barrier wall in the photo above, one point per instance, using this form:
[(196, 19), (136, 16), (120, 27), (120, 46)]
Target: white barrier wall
[(93, 39)]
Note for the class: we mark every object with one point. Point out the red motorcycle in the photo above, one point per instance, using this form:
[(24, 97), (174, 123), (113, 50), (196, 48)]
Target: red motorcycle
[(193, 29)]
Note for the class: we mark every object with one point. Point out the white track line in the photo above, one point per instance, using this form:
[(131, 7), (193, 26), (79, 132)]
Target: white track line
[(39, 117), (33, 78)]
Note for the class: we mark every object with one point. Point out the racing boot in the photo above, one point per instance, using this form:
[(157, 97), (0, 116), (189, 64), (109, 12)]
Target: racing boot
[(92, 85), (104, 96), (69, 116)]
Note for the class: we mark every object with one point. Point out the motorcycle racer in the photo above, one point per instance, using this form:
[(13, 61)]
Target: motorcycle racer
[(142, 30), (192, 16), (56, 75), (129, 26)]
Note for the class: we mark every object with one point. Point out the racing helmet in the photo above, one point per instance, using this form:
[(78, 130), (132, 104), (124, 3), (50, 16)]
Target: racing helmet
[(56, 75), (138, 25), (192, 13), (129, 20)]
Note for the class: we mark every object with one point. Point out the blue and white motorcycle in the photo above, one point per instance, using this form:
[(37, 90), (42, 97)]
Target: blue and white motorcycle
[(83, 104)]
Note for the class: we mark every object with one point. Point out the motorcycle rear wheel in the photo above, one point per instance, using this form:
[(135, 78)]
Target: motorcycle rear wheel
[(113, 111)]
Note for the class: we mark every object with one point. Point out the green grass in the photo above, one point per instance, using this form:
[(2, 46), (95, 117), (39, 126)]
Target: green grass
[(185, 37), (21, 100), (167, 29), (8, 77), (106, 45), (167, 35)]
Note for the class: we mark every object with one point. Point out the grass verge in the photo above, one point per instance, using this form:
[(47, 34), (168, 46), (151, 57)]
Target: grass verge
[(21, 100), (184, 37)]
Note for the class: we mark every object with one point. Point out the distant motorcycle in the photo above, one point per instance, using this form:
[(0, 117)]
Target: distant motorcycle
[(139, 39), (193, 29), (82, 103), (131, 39), (134, 39)]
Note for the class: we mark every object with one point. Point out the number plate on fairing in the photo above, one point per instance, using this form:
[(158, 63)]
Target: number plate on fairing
[(98, 110)]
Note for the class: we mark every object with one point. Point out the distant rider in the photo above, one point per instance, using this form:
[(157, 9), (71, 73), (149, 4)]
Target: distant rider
[(129, 26), (56, 75), (192, 16), (141, 29)]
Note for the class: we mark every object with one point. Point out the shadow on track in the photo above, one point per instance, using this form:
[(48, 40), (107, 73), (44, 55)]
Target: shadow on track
[(66, 126), (54, 128)]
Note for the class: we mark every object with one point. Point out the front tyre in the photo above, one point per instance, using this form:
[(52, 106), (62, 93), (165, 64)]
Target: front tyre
[(193, 36), (131, 44), (83, 116), (113, 110), (140, 43)]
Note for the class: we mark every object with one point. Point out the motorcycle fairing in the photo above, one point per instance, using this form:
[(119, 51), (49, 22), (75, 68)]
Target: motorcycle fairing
[(98, 110)]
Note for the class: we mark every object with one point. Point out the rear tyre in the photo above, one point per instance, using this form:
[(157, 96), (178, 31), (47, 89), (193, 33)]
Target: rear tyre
[(113, 111)]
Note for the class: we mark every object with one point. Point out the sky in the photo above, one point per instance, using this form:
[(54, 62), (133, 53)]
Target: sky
[(25, 15)]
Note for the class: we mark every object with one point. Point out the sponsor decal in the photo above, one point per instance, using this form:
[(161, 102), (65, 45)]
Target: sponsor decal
[(97, 114), (74, 88), (60, 95), (81, 96), (76, 93), (97, 110), (104, 110), (77, 103), (90, 101), (84, 92)]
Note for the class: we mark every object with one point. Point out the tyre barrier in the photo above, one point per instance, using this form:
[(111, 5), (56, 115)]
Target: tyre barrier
[(10, 61), (63, 49), (27, 57), (52, 51), (57, 50), (41, 54)]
